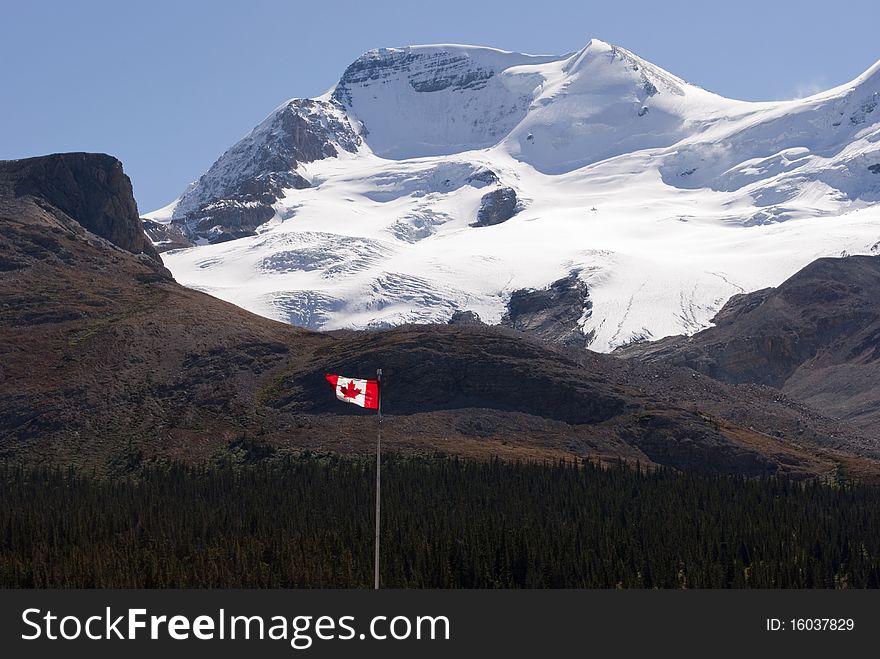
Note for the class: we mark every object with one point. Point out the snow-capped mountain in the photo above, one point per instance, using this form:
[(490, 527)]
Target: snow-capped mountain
[(436, 179)]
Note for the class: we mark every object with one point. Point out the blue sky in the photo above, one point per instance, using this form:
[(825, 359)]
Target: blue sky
[(168, 86)]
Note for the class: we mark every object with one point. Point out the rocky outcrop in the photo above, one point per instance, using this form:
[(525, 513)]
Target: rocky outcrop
[(91, 188), (165, 237), (496, 207), (483, 175), (816, 337), (552, 314), (425, 71), (465, 318), (236, 195)]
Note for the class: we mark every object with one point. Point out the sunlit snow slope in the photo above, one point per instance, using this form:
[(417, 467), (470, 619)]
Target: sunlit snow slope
[(357, 209)]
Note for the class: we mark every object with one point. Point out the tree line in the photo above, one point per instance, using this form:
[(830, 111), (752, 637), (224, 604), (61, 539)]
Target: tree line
[(306, 521)]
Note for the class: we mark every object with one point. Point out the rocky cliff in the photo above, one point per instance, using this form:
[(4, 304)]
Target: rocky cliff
[(90, 188), (816, 337), (236, 195)]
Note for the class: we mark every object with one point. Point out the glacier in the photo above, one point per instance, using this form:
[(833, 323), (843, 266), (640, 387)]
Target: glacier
[(358, 209)]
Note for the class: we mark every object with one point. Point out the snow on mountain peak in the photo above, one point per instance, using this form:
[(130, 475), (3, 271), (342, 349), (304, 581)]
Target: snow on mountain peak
[(601, 102), (433, 100), (572, 110), (439, 178)]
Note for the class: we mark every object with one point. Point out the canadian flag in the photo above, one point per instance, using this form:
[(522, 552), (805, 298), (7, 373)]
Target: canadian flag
[(360, 392)]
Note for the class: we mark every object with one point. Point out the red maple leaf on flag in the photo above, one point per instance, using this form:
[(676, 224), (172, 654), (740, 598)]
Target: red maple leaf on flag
[(350, 391)]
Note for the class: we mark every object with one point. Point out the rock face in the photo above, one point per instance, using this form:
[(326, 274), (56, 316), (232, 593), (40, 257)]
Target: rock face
[(90, 188), (236, 194), (466, 318), (816, 337), (552, 314), (487, 176), (431, 100), (424, 71), (165, 237), (497, 206)]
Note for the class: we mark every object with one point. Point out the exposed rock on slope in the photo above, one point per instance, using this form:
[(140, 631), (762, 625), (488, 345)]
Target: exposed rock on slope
[(816, 337), (91, 188), (440, 93), (497, 206), (552, 314), (236, 195), (465, 318), (165, 237)]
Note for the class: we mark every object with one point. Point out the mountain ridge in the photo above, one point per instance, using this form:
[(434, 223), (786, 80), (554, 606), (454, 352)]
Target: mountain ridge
[(815, 337), (665, 198)]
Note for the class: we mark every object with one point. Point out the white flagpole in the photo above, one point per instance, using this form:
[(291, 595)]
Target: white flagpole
[(378, 476)]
